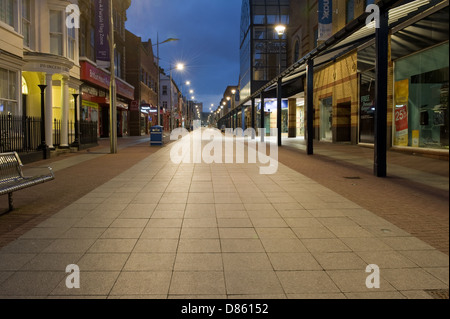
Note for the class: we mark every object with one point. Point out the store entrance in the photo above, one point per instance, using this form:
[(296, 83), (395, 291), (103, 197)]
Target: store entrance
[(104, 133), (344, 122)]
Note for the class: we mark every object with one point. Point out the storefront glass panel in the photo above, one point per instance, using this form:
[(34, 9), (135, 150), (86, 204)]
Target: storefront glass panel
[(326, 119), (421, 99), (367, 108)]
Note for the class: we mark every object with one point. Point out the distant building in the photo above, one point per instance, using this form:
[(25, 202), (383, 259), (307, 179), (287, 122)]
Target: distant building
[(260, 46), (171, 102), (95, 90), (344, 83), (142, 73), (35, 53)]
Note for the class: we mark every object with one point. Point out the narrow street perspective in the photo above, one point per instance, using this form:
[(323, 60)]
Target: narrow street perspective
[(165, 230), (224, 158)]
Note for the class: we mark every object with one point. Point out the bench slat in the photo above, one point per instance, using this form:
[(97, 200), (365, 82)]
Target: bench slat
[(12, 179)]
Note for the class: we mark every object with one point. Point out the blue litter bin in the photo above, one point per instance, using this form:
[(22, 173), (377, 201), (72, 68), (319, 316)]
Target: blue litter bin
[(156, 135)]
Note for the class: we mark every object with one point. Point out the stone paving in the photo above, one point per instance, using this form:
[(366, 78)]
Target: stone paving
[(162, 230)]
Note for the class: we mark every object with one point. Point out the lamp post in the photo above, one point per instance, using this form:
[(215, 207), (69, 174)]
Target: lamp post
[(159, 73), (76, 143), (43, 147), (112, 85), (233, 106), (280, 29)]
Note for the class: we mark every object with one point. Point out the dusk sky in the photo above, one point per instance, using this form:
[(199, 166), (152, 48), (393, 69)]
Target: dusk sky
[(209, 41)]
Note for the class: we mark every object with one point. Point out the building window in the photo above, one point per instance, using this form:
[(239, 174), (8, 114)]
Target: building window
[(164, 90), (82, 35), (349, 11), (7, 12), (8, 92), (296, 51), (56, 33), (71, 43), (92, 44), (367, 2), (316, 36), (26, 23), (118, 63)]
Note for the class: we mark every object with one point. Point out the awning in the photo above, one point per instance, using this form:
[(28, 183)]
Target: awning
[(355, 34)]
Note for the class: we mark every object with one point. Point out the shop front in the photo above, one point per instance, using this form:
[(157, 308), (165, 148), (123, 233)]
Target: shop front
[(61, 77), (421, 114), (149, 117), (270, 115), (96, 92)]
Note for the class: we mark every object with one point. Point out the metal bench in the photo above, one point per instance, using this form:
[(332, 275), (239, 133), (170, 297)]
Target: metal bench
[(12, 178)]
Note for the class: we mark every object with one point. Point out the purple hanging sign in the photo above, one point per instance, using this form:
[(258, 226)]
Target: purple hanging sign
[(102, 16)]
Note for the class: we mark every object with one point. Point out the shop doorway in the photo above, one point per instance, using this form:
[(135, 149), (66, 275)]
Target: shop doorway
[(344, 122), (326, 119), (104, 133)]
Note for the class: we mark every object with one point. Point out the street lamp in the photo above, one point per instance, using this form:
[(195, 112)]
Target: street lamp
[(76, 143), (159, 73), (233, 106), (43, 147), (179, 67), (280, 29)]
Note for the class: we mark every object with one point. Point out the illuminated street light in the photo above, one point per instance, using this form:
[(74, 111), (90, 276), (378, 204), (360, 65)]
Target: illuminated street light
[(159, 73), (178, 67), (280, 29)]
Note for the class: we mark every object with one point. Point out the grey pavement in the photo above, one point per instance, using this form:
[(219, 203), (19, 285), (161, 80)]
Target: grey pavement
[(416, 175), (162, 230)]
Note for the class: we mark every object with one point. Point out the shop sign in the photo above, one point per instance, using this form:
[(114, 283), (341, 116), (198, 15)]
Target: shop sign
[(102, 32), (99, 77), (134, 106), (325, 19), (90, 104), (401, 113), (49, 68)]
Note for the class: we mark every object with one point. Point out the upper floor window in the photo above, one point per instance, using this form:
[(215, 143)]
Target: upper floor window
[(164, 90), (118, 63), (349, 11), (71, 42), (7, 11), (56, 32), (26, 22), (8, 92), (296, 51), (316, 37)]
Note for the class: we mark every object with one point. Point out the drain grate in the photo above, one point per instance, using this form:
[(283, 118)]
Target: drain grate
[(352, 177), (438, 293)]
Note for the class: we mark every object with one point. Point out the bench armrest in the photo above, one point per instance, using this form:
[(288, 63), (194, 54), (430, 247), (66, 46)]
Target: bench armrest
[(37, 171)]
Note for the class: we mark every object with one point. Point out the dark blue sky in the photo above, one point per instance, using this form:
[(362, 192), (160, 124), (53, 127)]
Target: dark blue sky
[(209, 41)]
